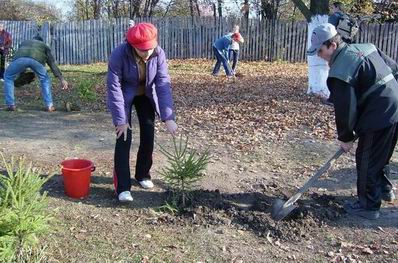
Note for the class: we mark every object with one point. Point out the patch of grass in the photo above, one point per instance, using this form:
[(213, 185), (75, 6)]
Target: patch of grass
[(170, 207), (86, 90), (97, 68)]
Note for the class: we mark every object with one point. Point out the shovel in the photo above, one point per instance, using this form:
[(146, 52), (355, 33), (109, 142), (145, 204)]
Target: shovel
[(281, 209)]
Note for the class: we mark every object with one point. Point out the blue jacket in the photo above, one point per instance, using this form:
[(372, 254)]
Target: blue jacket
[(223, 43), (334, 19)]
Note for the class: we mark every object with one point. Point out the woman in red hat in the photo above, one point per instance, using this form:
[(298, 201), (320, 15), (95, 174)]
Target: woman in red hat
[(138, 75)]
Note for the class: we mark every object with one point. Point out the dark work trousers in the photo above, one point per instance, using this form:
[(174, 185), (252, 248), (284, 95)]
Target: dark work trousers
[(234, 55), (2, 64), (146, 118), (373, 155)]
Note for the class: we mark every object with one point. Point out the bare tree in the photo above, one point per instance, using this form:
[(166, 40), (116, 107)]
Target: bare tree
[(96, 6), (168, 7), (197, 7), (191, 8), (317, 7), (270, 8), (219, 7), (27, 10), (154, 3), (135, 6)]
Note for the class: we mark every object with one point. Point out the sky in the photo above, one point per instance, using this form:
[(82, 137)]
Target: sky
[(64, 5)]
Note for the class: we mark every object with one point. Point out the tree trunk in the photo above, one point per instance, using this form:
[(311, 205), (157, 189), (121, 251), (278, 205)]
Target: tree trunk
[(146, 8), (131, 9), (219, 2), (152, 7), (319, 7), (318, 68), (246, 15), (191, 9), (96, 8), (136, 10), (115, 8), (197, 7), (303, 9), (168, 8), (269, 10), (86, 8)]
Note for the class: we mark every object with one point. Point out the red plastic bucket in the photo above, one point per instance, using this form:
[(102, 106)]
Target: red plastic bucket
[(77, 173)]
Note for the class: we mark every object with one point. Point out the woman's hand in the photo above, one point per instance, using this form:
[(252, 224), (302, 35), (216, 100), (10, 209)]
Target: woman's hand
[(122, 130), (171, 126)]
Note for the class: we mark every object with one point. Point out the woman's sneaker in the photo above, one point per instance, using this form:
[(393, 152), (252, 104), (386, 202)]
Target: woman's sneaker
[(125, 197), (146, 184), (356, 209)]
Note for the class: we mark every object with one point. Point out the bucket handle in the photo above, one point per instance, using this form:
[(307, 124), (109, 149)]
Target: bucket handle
[(92, 167)]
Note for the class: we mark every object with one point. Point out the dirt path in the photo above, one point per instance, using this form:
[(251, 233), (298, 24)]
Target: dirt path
[(229, 220)]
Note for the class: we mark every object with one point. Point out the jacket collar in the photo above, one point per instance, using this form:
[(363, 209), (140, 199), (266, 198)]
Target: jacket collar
[(129, 51), (342, 45)]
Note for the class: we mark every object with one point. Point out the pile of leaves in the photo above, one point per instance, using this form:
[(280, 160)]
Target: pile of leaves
[(264, 103)]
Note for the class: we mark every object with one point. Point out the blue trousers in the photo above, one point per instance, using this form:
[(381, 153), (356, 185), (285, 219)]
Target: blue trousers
[(221, 58), (20, 65)]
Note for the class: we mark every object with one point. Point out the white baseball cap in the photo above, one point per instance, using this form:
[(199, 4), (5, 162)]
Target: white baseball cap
[(319, 35)]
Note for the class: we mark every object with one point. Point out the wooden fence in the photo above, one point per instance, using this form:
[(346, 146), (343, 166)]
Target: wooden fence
[(92, 41), (21, 30)]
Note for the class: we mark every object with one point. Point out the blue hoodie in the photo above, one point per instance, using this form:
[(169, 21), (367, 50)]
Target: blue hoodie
[(223, 43)]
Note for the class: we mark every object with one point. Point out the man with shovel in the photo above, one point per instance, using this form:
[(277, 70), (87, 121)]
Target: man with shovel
[(364, 91), (220, 49)]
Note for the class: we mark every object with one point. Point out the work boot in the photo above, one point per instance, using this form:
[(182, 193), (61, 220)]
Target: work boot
[(356, 209), (327, 101), (387, 193), (11, 108), (388, 196), (50, 109)]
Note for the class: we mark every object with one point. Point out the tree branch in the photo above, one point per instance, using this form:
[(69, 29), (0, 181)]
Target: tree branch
[(303, 9)]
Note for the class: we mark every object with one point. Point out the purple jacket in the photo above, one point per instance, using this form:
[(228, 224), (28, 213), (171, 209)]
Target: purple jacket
[(122, 83)]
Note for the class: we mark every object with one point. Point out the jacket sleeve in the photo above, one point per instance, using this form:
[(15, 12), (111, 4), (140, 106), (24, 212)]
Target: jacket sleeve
[(390, 62), (52, 64), (115, 99), (345, 108), (163, 89)]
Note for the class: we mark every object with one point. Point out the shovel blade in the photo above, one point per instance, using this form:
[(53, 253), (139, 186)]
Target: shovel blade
[(280, 211)]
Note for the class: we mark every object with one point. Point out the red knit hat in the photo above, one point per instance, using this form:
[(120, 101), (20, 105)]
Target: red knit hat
[(143, 36)]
